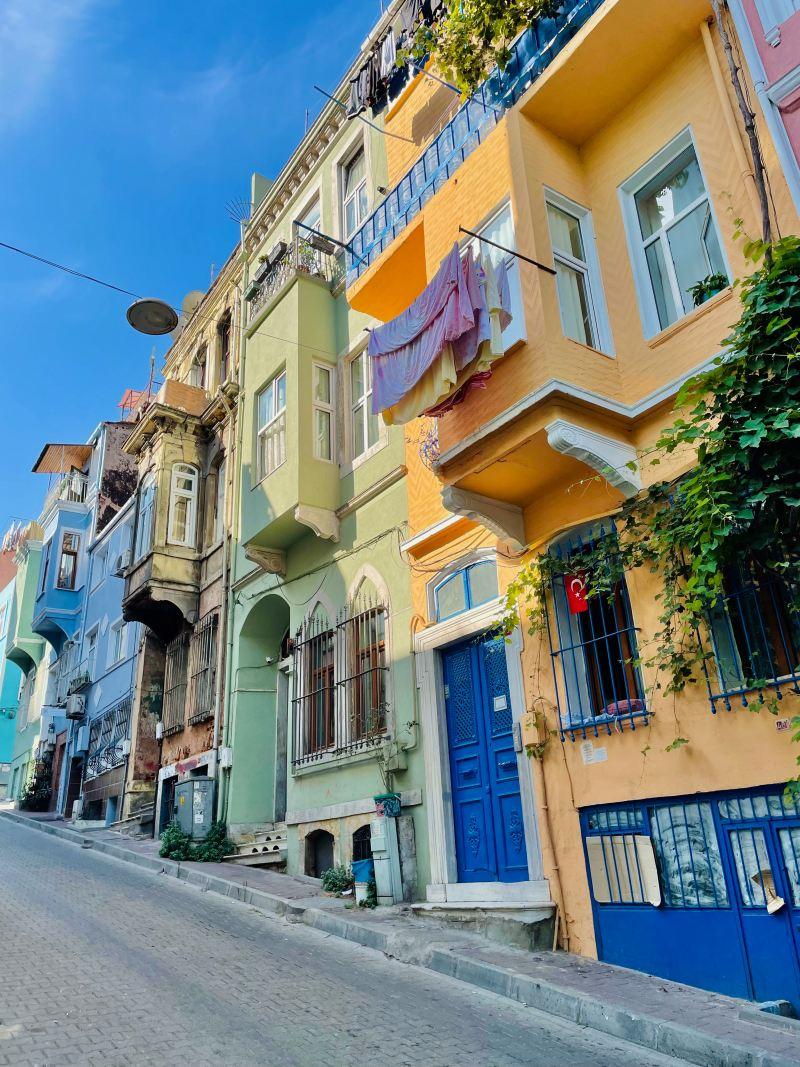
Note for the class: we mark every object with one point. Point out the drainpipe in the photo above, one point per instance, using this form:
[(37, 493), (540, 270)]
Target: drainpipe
[(234, 535), (549, 854), (225, 588)]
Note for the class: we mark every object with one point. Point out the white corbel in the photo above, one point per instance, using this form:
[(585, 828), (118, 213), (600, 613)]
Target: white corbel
[(503, 520), (323, 522), (271, 560), (615, 460)]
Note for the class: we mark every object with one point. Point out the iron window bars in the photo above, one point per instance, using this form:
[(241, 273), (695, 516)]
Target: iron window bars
[(203, 669), (340, 678), (106, 734), (755, 636), (594, 650), (175, 684)]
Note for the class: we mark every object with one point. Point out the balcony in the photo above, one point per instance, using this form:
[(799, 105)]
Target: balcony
[(71, 488), (531, 55), (108, 739), (306, 256)]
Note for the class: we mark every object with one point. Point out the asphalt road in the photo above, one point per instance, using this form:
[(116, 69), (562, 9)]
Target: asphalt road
[(103, 963)]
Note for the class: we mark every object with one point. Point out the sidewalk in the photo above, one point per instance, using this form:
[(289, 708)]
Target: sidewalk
[(699, 1027)]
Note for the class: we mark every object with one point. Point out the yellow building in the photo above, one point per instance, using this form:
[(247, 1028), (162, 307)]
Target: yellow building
[(612, 158)]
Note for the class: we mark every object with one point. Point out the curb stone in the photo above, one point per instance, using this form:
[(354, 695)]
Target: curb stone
[(666, 1037)]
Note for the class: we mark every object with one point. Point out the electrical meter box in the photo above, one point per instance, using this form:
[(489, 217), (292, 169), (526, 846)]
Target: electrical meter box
[(194, 806)]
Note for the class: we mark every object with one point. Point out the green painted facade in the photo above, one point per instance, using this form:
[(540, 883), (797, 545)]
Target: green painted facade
[(309, 534)]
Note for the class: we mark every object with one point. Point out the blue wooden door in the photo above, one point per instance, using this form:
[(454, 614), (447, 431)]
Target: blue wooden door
[(487, 809), (762, 856)]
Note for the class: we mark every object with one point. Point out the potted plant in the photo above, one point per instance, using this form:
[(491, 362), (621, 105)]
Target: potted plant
[(707, 287)]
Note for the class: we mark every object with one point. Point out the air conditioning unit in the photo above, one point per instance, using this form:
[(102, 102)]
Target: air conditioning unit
[(159, 731), (76, 706), (122, 563)]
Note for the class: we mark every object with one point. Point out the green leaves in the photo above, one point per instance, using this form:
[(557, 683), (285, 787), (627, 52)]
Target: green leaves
[(679, 742)]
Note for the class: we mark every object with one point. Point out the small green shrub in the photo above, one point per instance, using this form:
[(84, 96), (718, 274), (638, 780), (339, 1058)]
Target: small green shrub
[(337, 879), (37, 792), (177, 845), (371, 900)]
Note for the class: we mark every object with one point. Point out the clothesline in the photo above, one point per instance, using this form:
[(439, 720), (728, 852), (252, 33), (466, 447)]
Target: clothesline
[(508, 251), (372, 125)]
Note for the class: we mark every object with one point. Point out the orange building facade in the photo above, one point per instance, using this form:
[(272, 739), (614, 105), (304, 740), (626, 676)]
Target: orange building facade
[(617, 176)]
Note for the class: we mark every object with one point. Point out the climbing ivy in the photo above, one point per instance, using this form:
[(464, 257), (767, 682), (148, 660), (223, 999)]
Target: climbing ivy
[(740, 499), (472, 35)]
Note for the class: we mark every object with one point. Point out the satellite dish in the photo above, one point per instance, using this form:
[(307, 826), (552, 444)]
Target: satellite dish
[(151, 316)]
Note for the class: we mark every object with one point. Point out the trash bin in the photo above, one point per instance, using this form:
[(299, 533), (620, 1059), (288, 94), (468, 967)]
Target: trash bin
[(363, 873)]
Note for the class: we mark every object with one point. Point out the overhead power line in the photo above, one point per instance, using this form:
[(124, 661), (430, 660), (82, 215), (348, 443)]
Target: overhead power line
[(68, 270)]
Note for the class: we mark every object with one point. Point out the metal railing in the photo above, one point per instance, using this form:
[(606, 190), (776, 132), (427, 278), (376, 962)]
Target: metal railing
[(65, 668), (81, 676), (299, 257), (203, 669), (72, 487), (106, 734), (531, 54), (175, 683)]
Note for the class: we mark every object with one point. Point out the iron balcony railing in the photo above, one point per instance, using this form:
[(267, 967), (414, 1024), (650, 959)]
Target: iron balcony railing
[(72, 487), (64, 670), (175, 684), (531, 54), (106, 736), (301, 257), (203, 652), (81, 676)]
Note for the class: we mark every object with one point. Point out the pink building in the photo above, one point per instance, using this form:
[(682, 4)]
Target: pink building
[(770, 34)]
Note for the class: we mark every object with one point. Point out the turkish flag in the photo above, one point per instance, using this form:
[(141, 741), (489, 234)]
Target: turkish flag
[(575, 585)]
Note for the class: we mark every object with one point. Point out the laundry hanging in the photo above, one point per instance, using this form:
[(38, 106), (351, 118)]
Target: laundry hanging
[(450, 334)]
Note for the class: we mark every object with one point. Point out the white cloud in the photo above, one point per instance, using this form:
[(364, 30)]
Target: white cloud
[(34, 38)]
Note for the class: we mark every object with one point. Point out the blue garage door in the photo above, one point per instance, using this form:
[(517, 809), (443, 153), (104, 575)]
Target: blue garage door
[(728, 870)]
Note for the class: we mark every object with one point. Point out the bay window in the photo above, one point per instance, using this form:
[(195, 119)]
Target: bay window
[(183, 505), (364, 425), (144, 519), (323, 412), (271, 422)]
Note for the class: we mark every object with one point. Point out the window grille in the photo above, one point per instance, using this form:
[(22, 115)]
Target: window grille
[(755, 636), (106, 734), (203, 669), (362, 637), (593, 648), (175, 684), (314, 700)]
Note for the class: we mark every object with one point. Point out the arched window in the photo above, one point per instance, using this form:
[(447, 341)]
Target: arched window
[(464, 589), (183, 505), (144, 520)]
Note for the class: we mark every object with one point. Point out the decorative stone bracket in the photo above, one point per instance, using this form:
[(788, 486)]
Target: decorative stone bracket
[(503, 520), (606, 455), (323, 522), (271, 560)]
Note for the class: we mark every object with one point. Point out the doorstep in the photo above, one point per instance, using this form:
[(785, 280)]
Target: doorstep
[(528, 925), (702, 1028)]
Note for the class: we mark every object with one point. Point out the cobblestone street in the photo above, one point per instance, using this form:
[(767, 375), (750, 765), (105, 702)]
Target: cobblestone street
[(102, 963)]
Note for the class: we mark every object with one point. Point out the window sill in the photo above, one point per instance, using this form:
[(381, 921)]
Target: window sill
[(590, 348), (264, 477), (333, 761), (605, 724), (690, 317), (373, 450)]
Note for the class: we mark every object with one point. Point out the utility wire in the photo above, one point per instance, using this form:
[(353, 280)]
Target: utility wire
[(68, 270)]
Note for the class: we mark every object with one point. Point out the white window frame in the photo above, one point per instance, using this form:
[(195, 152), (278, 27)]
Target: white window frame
[(99, 565), (773, 14), (183, 470), (359, 149), (198, 369), (220, 494), (637, 243), (142, 537), (117, 635), (516, 330), (320, 405), (76, 553), (352, 404), (589, 268), (90, 642), (261, 431)]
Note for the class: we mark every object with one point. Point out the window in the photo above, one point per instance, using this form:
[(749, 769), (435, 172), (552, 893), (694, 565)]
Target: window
[(773, 13), (183, 505), (364, 425), (106, 734), (314, 731), (685, 842), (197, 371), (219, 502), (224, 343), (755, 632), (500, 229), (175, 668), (117, 643), (90, 653), (3, 619), (309, 258), (323, 412), (271, 415), (465, 589), (99, 562), (203, 669), (354, 194), (672, 231), (45, 565), (68, 561), (580, 294), (144, 519), (364, 637), (593, 645)]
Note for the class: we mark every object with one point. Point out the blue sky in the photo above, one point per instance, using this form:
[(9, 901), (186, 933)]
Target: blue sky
[(125, 128)]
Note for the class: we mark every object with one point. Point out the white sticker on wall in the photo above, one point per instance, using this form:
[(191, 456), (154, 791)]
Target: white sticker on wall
[(590, 754), (500, 703)]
